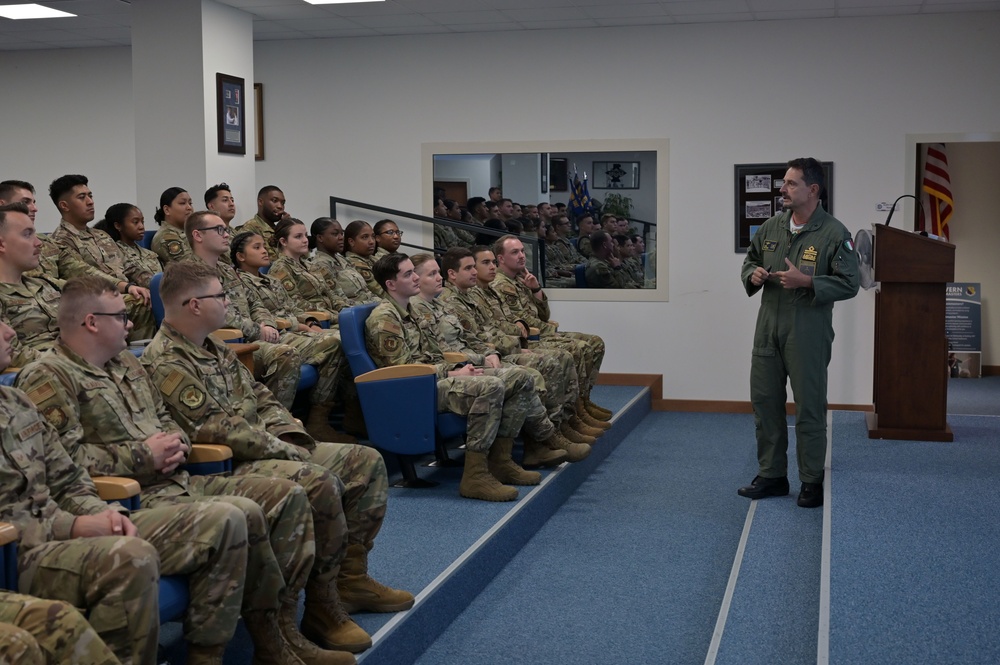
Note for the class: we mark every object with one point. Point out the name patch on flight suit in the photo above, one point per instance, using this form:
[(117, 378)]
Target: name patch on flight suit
[(807, 265), (770, 245)]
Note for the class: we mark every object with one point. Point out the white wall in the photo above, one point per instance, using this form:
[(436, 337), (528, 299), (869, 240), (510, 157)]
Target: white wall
[(348, 117)]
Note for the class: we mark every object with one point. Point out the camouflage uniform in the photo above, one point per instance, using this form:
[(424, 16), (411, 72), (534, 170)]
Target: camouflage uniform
[(57, 264), (555, 365), (379, 253), (170, 244), (212, 396), (364, 267), (36, 631), (602, 275), (447, 332), (349, 287), (140, 264), (587, 350), (493, 408), (30, 308), (303, 288), (98, 250), (103, 417), (636, 273), (320, 349), (42, 491), (264, 229), (584, 247), (278, 366)]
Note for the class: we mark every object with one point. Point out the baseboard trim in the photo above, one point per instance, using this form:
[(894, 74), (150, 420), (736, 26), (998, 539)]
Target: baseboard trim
[(991, 370), (652, 381)]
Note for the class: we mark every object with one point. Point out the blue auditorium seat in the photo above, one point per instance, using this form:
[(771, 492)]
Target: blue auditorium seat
[(399, 403), (147, 239), (580, 272)]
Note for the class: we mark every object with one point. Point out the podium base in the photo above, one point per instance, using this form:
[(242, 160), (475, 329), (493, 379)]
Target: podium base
[(906, 434)]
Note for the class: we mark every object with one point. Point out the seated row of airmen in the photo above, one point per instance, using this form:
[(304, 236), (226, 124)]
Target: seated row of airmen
[(305, 502)]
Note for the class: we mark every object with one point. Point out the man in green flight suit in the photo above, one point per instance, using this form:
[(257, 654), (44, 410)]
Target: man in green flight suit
[(804, 260)]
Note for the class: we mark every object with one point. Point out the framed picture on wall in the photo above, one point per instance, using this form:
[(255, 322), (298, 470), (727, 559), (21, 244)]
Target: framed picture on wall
[(231, 114), (758, 197), (615, 175)]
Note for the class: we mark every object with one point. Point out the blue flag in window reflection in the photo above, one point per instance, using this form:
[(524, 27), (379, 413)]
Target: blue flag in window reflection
[(579, 202)]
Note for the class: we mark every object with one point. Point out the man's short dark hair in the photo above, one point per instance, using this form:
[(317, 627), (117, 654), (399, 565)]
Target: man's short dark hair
[(7, 188), (812, 171), (387, 268), (214, 190), (452, 259), (267, 189), (599, 239), (60, 186), (474, 202)]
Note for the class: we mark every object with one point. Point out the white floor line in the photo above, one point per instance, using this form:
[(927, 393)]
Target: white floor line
[(823, 633), (727, 599)]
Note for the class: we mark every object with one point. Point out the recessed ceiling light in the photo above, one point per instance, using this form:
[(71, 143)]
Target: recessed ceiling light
[(30, 11), (338, 2)]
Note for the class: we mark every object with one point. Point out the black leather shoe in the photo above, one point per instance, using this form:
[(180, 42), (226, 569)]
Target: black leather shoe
[(762, 488), (811, 495)]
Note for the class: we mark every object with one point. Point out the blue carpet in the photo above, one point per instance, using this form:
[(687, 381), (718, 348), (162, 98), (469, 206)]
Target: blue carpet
[(915, 565), (974, 396), (633, 566)]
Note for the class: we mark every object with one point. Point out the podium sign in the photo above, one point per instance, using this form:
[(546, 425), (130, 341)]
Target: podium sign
[(911, 352)]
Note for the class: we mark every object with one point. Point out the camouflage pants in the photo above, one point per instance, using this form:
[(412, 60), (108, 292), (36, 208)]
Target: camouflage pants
[(587, 351), (347, 489), (280, 550), (322, 350), (141, 316), (277, 366), (114, 578), (522, 406), (562, 386), (480, 400), (35, 631)]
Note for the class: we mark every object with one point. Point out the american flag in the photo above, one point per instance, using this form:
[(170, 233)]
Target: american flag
[(935, 190)]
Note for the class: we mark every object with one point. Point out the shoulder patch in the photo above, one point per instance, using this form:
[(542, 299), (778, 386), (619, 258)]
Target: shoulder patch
[(55, 416), (41, 393), (192, 397), (174, 248), (288, 284), (170, 384)]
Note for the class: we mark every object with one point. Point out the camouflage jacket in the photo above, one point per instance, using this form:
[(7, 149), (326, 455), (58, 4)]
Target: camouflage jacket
[(393, 337), (522, 303), (306, 289), (602, 275), (489, 304), (30, 308), (272, 295), (140, 264), (478, 321), (214, 399), (364, 267), (41, 489), (349, 286), (444, 327), (170, 244), (59, 265), (103, 415), (93, 247)]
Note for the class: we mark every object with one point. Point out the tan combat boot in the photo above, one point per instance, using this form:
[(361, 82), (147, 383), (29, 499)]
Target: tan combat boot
[(200, 655), (574, 451), (318, 425), (538, 454), (308, 653), (503, 467), (360, 593), (577, 423), (326, 623), (589, 420), (479, 483), (598, 412), (574, 435), (269, 647)]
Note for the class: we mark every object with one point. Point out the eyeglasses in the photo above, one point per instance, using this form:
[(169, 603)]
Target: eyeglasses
[(391, 233), (221, 296), (221, 229), (121, 316)]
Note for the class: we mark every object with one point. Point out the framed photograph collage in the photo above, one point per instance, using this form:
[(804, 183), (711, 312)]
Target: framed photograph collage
[(758, 197)]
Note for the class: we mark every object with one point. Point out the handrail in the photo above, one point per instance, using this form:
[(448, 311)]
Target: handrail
[(530, 242)]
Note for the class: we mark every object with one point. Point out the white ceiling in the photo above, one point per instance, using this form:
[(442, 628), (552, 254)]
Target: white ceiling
[(106, 22)]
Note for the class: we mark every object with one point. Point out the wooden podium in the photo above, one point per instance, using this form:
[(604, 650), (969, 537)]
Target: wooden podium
[(911, 351)]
